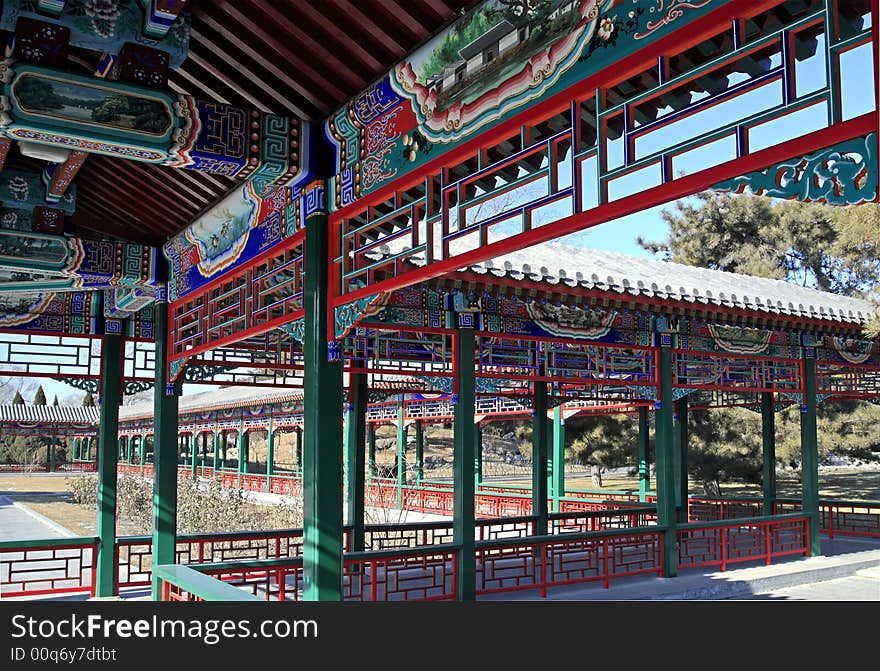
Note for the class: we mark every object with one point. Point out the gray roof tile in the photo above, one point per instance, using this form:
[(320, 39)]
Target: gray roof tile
[(664, 279)]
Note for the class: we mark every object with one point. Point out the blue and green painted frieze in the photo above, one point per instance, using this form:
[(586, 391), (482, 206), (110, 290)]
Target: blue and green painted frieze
[(81, 112), (105, 26), (69, 312), (496, 61)]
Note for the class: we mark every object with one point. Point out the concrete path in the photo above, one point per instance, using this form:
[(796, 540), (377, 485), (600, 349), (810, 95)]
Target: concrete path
[(18, 522), (863, 585), (850, 568)]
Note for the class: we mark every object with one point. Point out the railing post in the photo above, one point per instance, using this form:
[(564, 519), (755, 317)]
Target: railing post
[(607, 580), (810, 451), (768, 442), (322, 422), (539, 457), (725, 536), (644, 454), (242, 450), (420, 453), (371, 439), (680, 451), (165, 405), (279, 578), (463, 462), (193, 455), (108, 455), (557, 489), (664, 457), (270, 454), (355, 437), (478, 455), (401, 452), (543, 572)]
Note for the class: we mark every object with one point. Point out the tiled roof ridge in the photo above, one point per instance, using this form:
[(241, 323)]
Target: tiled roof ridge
[(757, 293)]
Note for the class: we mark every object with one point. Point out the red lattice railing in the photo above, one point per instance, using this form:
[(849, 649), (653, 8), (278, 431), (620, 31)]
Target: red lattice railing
[(843, 518), (134, 554), (172, 592), (704, 544), (58, 566), (421, 574), (541, 563)]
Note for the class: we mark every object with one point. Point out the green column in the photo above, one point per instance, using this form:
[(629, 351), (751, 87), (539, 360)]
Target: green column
[(371, 439), (420, 453), (142, 449), (768, 441), (810, 456), (644, 454), (108, 451), (539, 458), (270, 454), (355, 439), (204, 460), (558, 486), (463, 520), (76, 449), (243, 449), (322, 426), (51, 451), (165, 405), (299, 452), (478, 455), (680, 456), (215, 439), (666, 464), (130, 448), (401, 453), (224, 447), (193, 451)]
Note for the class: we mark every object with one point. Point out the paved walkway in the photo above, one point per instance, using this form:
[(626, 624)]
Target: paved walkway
[(17, 523), (864, 585), (850, 567)]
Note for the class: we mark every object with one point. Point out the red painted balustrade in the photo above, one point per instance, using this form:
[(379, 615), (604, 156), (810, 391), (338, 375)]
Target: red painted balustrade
[(542, 563), (43, 567), (703, 544)]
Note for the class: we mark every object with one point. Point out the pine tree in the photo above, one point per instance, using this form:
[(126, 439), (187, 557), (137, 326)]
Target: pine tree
[(55, 401), (89, 400), (18, 399), (40, 396)]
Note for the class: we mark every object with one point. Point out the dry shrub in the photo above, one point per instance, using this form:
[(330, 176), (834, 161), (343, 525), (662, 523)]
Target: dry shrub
[(83, 489), (201, 506)]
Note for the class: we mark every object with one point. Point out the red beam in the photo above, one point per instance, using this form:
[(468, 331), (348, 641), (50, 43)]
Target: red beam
[(5, 144), (658, 195), (64, 174), (677, 42)]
